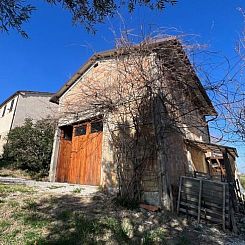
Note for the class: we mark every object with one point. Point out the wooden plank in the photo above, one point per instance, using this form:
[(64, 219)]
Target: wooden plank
[(206, 191), (208, 217), (233, 221), (190, 181), (214, 214), (207, 184), (207, 204), (211, 213), (183, 210), (230, 178), (179, 194), (205, 198), (64, 160), (223, 207), (214, 185), (186, 178), (93, 159), (199, 202), (221, 168), (206, 188), (189, 204), (215, 208), (211, 206)]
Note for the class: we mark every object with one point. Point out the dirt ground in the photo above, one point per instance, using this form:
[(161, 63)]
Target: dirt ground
[(55, 213)]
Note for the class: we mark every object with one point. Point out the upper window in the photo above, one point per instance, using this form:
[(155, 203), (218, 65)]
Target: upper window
[(11, 105), (80, 130), (4, 110), (67, 132), (96, 127)]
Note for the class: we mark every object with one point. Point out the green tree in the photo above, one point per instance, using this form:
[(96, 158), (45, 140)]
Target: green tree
[(29, 147), (13, 13)]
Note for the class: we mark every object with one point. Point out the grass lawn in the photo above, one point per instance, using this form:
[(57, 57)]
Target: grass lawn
[(31, 216)]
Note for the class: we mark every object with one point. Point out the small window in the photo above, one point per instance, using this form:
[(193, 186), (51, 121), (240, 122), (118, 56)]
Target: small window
[(96, 127), (4, 110), (67, 132), (11, 105), (80, 130)]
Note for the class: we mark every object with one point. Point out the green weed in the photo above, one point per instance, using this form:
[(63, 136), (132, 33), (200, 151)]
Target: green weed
[(13, 203), (4, 224), (154, 237), (7, 188), (31, 204), (54, 187), (65, 215), (77, 190)]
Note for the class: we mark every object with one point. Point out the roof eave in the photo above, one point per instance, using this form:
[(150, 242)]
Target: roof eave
[(98, 56), (55, 98), (112, 53)]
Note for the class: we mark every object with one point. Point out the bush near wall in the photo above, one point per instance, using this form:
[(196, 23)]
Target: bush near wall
[(29, 147)]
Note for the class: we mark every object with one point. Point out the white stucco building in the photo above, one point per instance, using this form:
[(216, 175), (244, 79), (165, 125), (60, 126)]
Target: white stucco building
[(21, 105)]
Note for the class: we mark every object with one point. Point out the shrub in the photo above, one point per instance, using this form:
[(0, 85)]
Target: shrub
[(29, 147)]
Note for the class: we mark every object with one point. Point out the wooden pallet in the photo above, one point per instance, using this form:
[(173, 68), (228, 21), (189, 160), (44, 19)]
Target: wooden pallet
[(204, 199)]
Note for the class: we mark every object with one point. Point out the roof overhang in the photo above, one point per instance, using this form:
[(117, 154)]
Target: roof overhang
[(153, 46), (206, 147), (103, 55)]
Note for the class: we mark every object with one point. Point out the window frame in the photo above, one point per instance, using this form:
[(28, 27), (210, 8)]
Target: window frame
[(100, 128), (4, 110), (76, 130), (11, 105), (67, 133)]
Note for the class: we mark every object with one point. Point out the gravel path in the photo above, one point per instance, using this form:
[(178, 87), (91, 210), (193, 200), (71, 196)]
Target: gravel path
[(54, 187)]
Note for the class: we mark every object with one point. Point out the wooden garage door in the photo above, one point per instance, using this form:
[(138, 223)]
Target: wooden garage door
[(64, 159), (85, 156)]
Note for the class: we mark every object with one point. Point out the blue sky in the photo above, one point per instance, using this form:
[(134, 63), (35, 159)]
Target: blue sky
[(56, 48)]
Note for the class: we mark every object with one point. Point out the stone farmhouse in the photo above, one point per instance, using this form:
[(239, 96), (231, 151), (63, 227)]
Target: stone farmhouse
[(136, 112), (21, 105)]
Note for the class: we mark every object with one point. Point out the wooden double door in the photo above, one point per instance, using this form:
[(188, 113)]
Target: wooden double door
[(80, 154)]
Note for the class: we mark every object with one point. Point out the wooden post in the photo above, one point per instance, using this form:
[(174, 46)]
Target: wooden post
[(233, 220), (230, 179), (159, 117), (224, 200), (199, 202), (179, 194)]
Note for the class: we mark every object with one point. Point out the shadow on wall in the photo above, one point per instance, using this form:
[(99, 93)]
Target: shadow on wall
[(135, 141), (134, 154)]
